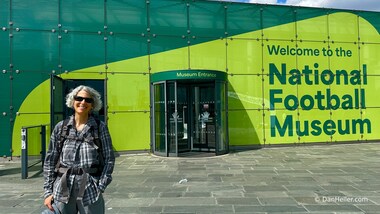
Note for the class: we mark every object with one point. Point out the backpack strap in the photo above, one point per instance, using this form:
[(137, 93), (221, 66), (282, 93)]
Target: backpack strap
[(64, 132), (99, 147)]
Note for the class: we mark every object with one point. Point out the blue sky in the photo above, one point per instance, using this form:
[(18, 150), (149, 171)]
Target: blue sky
[(370, 5)]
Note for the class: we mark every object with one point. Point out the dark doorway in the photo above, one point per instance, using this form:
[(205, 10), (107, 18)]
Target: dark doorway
[(61, 87)]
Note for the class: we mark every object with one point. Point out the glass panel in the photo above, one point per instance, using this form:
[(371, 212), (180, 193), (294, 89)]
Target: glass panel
[(159, 118), (129, 130), (311, 125), (22, 88), (343, 27), (5, 51), (168, 18), (82, 15), (169, 58), (89, 48), (183, 110), (5, 92), (172, 118), (4, 13), (220, 118), (369, 93), (5, 125), (244, 21), (40, 16), (215, 59), (368, 27), (370, 123), (125, 16), (244, 56), (278, 22), (246, 127), (244, 92), (204, 16), (346, 125), (137, 98), (41, 53), (282, 126), (5, 133), (120, 60), (369, 57), (276, 53), (204, 118), (312, 24), (4, 47)]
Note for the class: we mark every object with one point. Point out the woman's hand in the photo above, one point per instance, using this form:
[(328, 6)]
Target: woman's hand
[(48, 202)]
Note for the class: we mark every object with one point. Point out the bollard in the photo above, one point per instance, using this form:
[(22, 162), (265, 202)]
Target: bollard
[(24, 154)]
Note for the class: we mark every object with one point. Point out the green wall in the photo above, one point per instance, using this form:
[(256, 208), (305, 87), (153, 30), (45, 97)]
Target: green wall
[(126, 41)]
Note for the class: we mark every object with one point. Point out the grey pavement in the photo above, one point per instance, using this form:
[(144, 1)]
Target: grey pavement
[(341, 178)]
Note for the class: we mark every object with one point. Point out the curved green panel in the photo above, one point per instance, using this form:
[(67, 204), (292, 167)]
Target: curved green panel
[(371, 17)]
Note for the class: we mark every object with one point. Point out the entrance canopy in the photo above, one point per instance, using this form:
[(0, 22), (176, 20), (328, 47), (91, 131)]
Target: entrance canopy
[(189, 75)]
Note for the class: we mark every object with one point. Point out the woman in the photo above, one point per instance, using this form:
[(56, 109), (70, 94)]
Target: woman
[(80, 159)]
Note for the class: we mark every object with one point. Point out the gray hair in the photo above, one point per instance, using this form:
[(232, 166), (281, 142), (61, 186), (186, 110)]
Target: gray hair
[(97, 105)]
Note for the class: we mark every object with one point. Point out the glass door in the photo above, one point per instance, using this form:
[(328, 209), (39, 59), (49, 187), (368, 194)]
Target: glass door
[(189, 117), (221, 118), (57, 98), (184, 143), (159, 119), (203, 117), (173, 118)]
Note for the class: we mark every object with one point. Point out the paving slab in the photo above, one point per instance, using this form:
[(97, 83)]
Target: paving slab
[(342, 178)]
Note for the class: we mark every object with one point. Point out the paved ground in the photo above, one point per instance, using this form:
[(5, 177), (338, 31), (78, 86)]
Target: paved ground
[(305, 179)]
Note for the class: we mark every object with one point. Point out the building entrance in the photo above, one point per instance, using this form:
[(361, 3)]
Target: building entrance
[(189, 116)]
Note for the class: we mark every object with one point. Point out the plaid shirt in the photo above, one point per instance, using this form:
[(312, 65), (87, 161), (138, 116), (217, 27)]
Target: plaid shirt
[(78, 152)]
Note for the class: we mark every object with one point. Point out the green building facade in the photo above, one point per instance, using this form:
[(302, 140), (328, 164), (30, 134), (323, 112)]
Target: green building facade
[(272, 75)]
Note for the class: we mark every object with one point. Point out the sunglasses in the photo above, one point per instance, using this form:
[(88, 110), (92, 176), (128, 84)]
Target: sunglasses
[(86, 99)]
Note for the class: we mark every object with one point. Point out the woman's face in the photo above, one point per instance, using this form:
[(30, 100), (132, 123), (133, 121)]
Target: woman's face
[(83, 103)]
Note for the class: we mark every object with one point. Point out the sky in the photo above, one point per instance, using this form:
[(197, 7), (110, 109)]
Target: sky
[(369, 5)]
